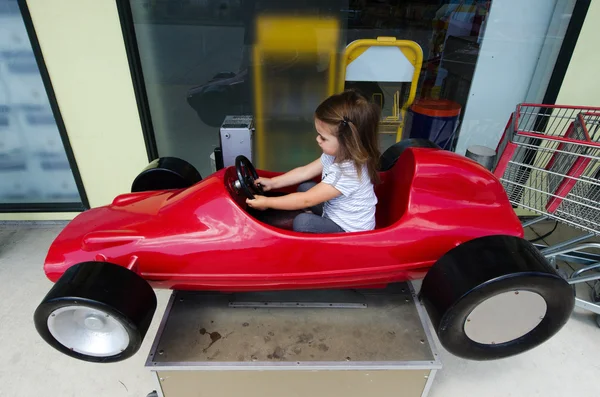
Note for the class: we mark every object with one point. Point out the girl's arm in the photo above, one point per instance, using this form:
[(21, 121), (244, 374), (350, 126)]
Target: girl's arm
[(293, 177), (296, 201)]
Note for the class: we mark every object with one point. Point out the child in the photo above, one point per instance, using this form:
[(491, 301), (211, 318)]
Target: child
[(344, 201)]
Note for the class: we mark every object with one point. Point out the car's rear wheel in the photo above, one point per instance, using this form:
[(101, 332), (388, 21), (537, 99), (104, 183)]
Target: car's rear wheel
[(392, 154), (166, 173), (97, 311), (494, 297)]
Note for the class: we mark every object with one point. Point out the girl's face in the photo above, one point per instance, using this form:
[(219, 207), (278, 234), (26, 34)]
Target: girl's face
[(326, 139)]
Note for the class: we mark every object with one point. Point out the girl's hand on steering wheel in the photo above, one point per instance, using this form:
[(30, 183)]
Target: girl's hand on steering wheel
[(259, 203), (266, 183)]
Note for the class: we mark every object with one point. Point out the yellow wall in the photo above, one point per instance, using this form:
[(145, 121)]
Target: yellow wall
[(582, 81), (84, 51)]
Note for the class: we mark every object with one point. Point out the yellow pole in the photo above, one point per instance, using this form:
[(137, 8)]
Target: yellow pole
[(258, 106)]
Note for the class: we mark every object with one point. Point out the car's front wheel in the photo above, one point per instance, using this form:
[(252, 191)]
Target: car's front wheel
[(494, 297), (97, 311)]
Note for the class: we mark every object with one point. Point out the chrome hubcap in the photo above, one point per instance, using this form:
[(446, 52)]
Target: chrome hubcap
[(505, 317), (88, 331)]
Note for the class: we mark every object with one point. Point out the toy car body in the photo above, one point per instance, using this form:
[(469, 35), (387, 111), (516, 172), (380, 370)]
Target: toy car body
[(204, 238)]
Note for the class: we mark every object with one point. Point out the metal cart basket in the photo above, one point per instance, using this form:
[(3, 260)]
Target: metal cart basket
[(549, 163)]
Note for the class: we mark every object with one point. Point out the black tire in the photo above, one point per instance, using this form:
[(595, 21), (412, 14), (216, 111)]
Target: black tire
[(166, 173), (392, 154), (119, 302), (457, 294)]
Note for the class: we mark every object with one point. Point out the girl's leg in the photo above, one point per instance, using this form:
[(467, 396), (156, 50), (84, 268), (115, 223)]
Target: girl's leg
[(306, 186), (311, 223)]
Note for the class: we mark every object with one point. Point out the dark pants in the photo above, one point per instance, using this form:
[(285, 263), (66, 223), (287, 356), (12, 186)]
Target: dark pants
[(315, 222)]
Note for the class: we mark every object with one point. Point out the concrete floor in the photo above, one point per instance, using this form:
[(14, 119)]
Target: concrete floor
[(567, 365)]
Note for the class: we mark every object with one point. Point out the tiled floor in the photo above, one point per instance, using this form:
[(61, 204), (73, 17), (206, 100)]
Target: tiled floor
[(567, 365)]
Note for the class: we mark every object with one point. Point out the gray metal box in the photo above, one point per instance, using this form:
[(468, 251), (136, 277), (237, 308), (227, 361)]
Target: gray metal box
[(236, 138), (327, 343)]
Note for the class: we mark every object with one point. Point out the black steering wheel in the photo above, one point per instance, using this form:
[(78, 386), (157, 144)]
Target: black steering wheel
[(246, 174)]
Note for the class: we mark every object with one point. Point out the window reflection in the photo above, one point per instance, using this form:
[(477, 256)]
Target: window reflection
[(33, 164), (200, 62)]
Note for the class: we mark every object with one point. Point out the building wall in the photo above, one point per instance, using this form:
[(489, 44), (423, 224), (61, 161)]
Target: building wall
[(581, 85)]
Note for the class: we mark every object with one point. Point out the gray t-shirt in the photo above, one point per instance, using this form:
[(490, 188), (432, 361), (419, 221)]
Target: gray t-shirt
[(354, 209)]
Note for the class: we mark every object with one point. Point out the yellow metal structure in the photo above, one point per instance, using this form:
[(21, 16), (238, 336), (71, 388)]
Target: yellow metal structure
[(413, 53), (278, 37)]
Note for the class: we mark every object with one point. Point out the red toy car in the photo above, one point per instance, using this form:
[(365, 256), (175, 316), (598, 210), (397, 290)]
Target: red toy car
[(441, 216)]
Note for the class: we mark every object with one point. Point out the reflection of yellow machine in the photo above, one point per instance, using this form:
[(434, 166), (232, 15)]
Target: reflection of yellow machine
[(308, 48), (303, 52), (385, 60)]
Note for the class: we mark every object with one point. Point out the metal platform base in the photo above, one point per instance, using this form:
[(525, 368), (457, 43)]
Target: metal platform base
[(345, 343)]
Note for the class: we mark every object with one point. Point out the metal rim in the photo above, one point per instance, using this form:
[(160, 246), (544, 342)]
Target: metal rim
[(88, 331), (505, 317)]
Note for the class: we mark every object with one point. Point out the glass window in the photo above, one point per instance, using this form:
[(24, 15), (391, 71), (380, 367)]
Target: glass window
[(34, 168), (456, 70)]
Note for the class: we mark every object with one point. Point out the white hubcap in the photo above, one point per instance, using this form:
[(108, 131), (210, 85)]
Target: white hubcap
[(88, 331), (505, 317)]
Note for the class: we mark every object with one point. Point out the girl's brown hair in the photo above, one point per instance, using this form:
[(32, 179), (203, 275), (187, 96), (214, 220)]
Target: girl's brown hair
[(357, 121)]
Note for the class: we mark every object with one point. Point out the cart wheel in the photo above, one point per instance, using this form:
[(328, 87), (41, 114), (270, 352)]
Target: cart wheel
[(494, 297), (596, 292), (97, 311), (596, 298), (166, 173), (392, 154)]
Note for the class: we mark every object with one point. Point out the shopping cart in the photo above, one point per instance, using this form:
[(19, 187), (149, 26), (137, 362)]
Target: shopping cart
[(548, 161)]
